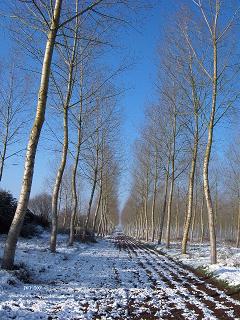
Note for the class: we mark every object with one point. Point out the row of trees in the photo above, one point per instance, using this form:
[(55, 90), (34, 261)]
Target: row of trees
[(175, 190), (67, 42)]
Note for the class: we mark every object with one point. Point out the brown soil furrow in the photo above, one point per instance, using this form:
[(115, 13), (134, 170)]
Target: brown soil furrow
[(195, 294)]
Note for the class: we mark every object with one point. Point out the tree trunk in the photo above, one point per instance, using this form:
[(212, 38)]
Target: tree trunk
[(53, 240), (74, 171), (10, 247), (190, 189), (105, 217), (97, 209), (162, 218), (211, 218), (146, 219), (141, 223), (238, 225), (58, 181), (65, 215), (194, 220), (154, 196), (99, 226), (202, 221), (103, 226), (146, 207), (177, 217), (169, 211), (91, 200), (3, 154), (216, 204), (75, 199)]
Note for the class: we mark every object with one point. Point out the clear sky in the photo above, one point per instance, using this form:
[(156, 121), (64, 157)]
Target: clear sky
[(139, 80), (142, 44)]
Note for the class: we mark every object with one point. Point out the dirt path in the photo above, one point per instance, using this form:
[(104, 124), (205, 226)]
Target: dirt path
[(177, 293), (115, 278)]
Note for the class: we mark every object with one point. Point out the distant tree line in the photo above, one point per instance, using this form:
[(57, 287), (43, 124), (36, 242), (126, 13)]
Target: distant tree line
[(179, 189)]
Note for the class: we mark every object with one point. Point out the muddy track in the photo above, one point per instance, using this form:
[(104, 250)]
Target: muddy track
[(179, 293)]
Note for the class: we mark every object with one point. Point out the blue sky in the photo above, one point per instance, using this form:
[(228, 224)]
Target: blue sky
[(139, 80)]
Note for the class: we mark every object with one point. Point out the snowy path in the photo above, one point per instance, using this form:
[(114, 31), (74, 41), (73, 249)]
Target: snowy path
[(116, 278)]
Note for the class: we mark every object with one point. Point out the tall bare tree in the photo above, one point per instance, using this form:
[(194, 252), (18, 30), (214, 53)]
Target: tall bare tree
[(53, 25), (217, 33), (71, 62), (16, 225)]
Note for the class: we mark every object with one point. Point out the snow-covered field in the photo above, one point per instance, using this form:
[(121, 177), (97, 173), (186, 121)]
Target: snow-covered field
[(227, 268), (115, 278), (64, 284)]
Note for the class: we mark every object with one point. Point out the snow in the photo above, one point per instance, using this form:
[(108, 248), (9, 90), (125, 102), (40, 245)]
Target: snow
[(110, 279), (227, 269), (95, 277)]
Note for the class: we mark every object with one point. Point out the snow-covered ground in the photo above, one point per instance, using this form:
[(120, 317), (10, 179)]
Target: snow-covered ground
[(198, 256), (115, 278), (66, 283)]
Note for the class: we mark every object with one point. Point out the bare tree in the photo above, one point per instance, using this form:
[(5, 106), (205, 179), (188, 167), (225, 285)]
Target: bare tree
[(164, 206), (40, 205), (95, 170), (155, 179), (232, 179), (16, 225), (217, 33), (53, 24), (172, 157), (71, 62), (13, 98)]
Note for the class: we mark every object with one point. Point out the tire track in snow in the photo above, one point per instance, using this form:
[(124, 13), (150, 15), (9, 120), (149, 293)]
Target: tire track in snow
[(204, 300)]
